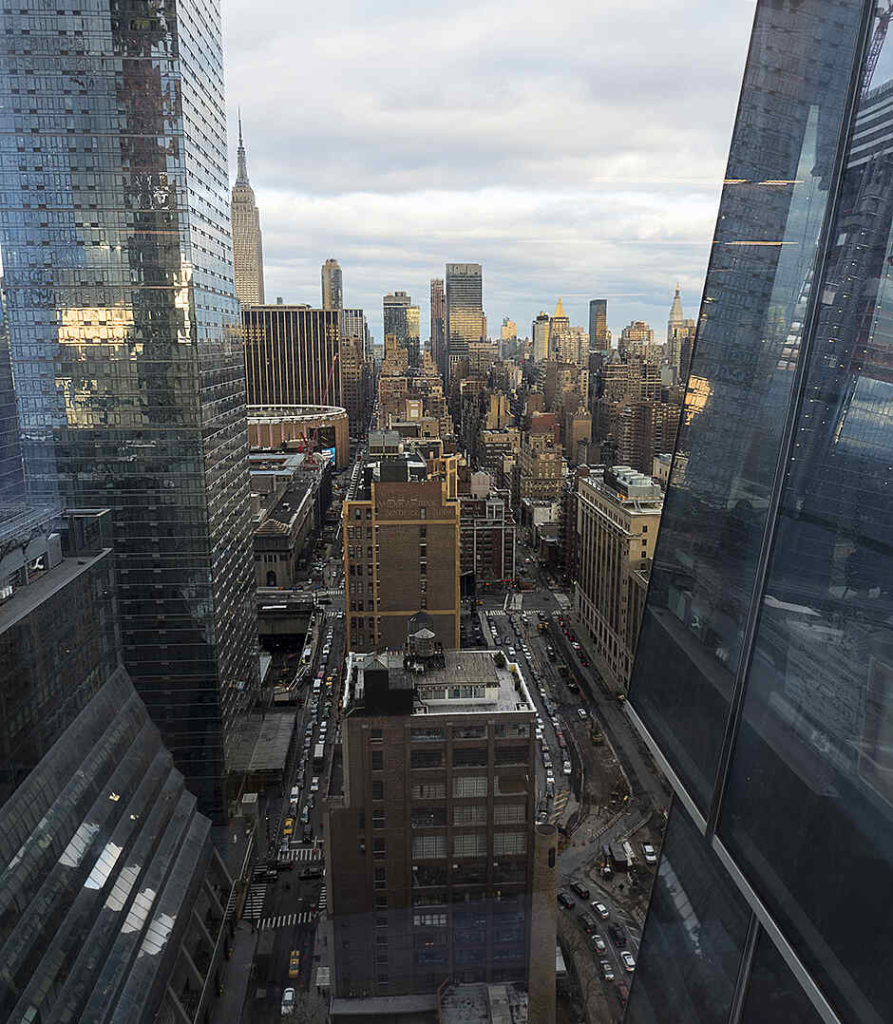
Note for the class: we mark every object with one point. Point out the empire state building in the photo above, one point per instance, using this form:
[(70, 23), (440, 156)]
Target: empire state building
[(248, 255)]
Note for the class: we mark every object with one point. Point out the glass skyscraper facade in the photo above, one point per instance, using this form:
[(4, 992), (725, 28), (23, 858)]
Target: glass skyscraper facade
[(125, 335), (112, 901), (463, 301), (764, 674)]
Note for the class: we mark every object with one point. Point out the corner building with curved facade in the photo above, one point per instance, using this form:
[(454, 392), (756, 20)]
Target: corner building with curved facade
[(764, 674)]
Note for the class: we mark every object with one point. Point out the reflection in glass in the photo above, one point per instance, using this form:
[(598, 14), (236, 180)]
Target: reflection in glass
[(694, 936), (808, 805), (748, 344), (773, 994)]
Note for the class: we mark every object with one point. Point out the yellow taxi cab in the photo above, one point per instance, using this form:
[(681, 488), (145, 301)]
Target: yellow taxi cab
[(289, 827), (294, 963)]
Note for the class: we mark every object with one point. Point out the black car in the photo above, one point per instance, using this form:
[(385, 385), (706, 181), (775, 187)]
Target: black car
[(580, 890), (618, 936), (565, 899)]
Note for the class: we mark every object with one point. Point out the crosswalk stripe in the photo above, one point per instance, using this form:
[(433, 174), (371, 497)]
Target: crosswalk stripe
[(286, 920)]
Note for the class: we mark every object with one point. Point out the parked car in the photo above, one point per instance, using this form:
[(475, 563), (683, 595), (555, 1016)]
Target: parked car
[(600, 909), (598, 942), (565, 899), (618, 935), (607, 970), (566, 768), (649, 853), (314, 784), (580, 890), (628, 960), (582, 714)]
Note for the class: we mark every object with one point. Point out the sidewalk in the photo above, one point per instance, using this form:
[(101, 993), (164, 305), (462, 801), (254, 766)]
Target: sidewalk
[(235, 974)]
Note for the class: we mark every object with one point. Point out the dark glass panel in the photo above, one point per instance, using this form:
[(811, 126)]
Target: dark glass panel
[(773, 994), (694, 935), (808, 810), (755, 299)]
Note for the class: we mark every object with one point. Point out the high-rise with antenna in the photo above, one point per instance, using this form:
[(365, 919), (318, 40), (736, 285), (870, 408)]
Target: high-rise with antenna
[(248, 252)]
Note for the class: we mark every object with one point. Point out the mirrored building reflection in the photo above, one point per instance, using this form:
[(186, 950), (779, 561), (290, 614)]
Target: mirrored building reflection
[(764, 676), (125, 340)]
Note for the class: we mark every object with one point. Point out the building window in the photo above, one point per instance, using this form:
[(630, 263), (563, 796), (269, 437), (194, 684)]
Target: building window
[(469, 786), (470, 814), (379, 848), (376, 736), (429, 920), (423, 601), (429, 790), (423, 512), (427, 758), (423, 568), (509, 814), (377, 759), (423, 532), (378, 819), (470, 844), (423, 551), (381, 901), (428, 847), (380, 878), (509, 844), (377, 789), (422, 735)]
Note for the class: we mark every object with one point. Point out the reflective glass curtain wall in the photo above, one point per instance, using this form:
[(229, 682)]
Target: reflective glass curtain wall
[(125, 336), (764, 675)]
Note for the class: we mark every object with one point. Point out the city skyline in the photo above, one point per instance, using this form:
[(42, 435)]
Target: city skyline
[(623, 213)]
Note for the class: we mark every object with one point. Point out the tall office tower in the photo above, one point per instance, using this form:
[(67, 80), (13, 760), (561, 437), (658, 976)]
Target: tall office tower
[(598, 324), (432, 847), (539, 333), (332, 292), (464, 308), (292, 355), (128, 358), (401, 554), (762, 679), (680, 336), (402, 319), (248, 251), (112, 899), (559, 333), (438, 326)]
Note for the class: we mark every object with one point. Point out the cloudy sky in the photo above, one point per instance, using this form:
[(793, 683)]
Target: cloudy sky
[(573, 147)]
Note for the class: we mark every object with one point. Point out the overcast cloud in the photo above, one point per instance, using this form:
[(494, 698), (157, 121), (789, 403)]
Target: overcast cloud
[(573, 147)]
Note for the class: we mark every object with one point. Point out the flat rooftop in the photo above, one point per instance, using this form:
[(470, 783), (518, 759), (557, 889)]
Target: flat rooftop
[(261, 742), (447, 687), (27, 598), (483, 1004)]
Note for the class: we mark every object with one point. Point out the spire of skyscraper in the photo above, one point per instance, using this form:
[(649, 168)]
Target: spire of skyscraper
[(559, 309), (242, 170), (248, 259), (676, 316)]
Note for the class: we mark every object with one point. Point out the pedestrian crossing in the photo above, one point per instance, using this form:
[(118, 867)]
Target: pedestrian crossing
[(254, 902), (322, 900), (287, 920), (496, 612), (558, 805), (305, 853)]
